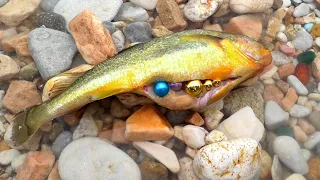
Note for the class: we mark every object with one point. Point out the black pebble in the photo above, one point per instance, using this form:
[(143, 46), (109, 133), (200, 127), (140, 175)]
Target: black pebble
[(52, 20)]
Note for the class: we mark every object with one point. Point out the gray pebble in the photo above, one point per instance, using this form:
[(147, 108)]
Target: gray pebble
[(303, 41), (61, 142), (279, 58), (110, 26), (275, 116), (52, 51), (119, 40), (138, 32), (314, 119), (52, 20), (87, 127), (77, 60), (317, 12), (299, 111), (29, 72), (313, 140), (130, 12), (48, 5), (7, 156), (297, 85), (177, 117), (3, 2), (56, 129), (301, 10)]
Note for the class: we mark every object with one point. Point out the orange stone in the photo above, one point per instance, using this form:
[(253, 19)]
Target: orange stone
[(18, 43), (286, 70), (93, 40), (4, 146), (272, 92), (289, 100), (195, 119), (54, 175), (118, 132), (148, 124), (316, 30), (314, 168), (302, 72), (306, 126), (37, 166), (316, 68), (74, 117)]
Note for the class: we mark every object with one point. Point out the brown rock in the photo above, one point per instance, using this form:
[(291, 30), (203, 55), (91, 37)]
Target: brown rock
[(160, 31), (314, 168), (54, 175), (18, 43), (20, 96), (306, 126), (37, 166), (74, 117), (4, 146), (148, 124), (289, 100), (105, 134), (273, 27), (118, 110), (272, 92), (248, 25), (214, 27), (131, 99), (93, 40), (171, 15), (316, 68), (283, 86), (299, 135), (8, 68), (118, 132), (152, 170), (195, 119), (266, 163), (286, 70)]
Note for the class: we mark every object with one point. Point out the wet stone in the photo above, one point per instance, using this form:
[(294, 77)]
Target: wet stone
[(52, 20), (61, 142), (177, 117), (138, 32), (306, 57), (153, 170)]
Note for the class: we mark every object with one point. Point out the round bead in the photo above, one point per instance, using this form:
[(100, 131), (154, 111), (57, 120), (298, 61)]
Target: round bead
[(194, 88), (208, 85), (161, 88), (176, 86), (217, 83)]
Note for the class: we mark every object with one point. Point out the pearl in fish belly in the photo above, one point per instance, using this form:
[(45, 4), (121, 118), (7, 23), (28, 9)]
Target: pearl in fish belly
[(161, 88), (194, 88), (176, 86)]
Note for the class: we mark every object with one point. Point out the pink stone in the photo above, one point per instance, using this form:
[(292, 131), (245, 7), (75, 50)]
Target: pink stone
[(287, 50)]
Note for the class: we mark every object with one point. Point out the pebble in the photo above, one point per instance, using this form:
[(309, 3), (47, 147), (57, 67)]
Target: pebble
[(272, 92), (3, 2), (194, 136), (303, 41), (18, 161), (269, 73), (161, 153), (54, 174), (306, 154), (138, 32), (314, 119), (8, 68), (118, 132), (312, 141), (7, 156), (286, 70), (118, 110), (275, 117), (299, 111), (308, 27), (266, 163), (102, 161), (177, 117), (152, 170), (195, 119), (301, 10), (286, 3), (119, 40), (52, 20), (215, 136), (299, 135), (306, 126), (316, 68), (148, 5), (48, 5), (186, 171), (52, 51), (279, 58), (15, 11), (302, 73), (207, 163), (276, 169), (288, 151), (18, 43), (197, 11), (249, 6), (105, 10), (37, 165), (297, 85), (289, 100), (130, 12), (281, 37), (287, 50), (242, 124), (314, 172), (314, 96), (61, 142), (87, 127), (295, 177)]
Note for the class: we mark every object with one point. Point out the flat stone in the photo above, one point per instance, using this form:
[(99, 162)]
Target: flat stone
[(7, 156), (101, 161), (130, 12), (61, 142), (299, 111), (275, 116), (8, 68), (148, 5), (279, 59), (93, 40), (313, 141), (194, 136), (303, 41), (297, 85), (48, 5), (51, 50), (138, 32), (301, 10), (52, 20), (197, 11), (251, 6)]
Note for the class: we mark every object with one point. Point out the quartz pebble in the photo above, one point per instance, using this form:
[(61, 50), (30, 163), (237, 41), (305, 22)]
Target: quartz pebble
[(197, 11), (303, 41), (148, 5), (279, 58), (18, 161), (194, 136), (186, 172), (130, 12), (299, 111), (86, 127), (207, 163), (249, 6), (275, 116), (301, 10), (7, 156), (297, 85), (215, 136), (295, 176), (312, 141)]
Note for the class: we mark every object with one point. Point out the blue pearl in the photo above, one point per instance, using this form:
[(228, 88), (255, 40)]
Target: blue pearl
[(308, 26), (161, 88)]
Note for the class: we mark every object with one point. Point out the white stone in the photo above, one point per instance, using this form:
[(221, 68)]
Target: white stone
[(297, 85), (275, 116), (295, 176), (7, 156), (289, 153), (269, 81), (282, 28), (276, 169), (317, 41), (301, 10), (186, 172), (148, 5), (303, 40), (281, 37), (93, 158), (242, 124), (250, 6), (87, 127), (163, 154), (302, 100), (312, 141), (215, 136), (194, 136), (239, 157), (286, 3), (18, 161), (199, 10), (314, 96), (299, 111), (269, 74), (306, 154)]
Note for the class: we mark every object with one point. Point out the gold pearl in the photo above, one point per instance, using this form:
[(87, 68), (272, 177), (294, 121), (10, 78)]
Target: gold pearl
[(208, 85), (217, 83), (194, 88)]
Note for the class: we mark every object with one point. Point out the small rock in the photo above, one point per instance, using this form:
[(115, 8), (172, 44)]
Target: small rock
[(299, 111), (276, 169), (283, 86), (289, 100), (186, 171), (191, 152), (314, 97), (148, 117), (306, 126), (148, 5), (288, 151), (302, 73), (207, 163), (215, 136), (18, 43), (37, 166), (251, 6), (314, 119), (29, 72), (299, 135), (138, 32), (295, 177), (153, 170), (161, 153), (266, 164), (48, 5), (297, 85), (118, 132), (287, 50), (15, 11), (269, 73), (130, 100), (86, 30), (303, 41), (212, 118), (314, 172), (86, 127), (61, 142), (195, 119), (286, 70), (119, 40), (129, 12), (54, 174), (275, 116), (20, 96), (197, 11), (194, 136), (160, 31), (177, 117), (306, 154), (178, 133), (301, 10), (8, 68), (7, 156), (242, 124), (272, 92), (316, 68), (279, 58), (312, 141), (18, 161), (118, 110), (52, 20), (281, 37), (111, 161)]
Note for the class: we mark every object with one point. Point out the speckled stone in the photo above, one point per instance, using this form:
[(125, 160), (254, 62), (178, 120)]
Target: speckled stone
[(52, 20)]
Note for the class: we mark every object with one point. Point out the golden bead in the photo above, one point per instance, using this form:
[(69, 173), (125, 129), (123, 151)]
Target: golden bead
[(208, 85), (216, 83), (194, 88)]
